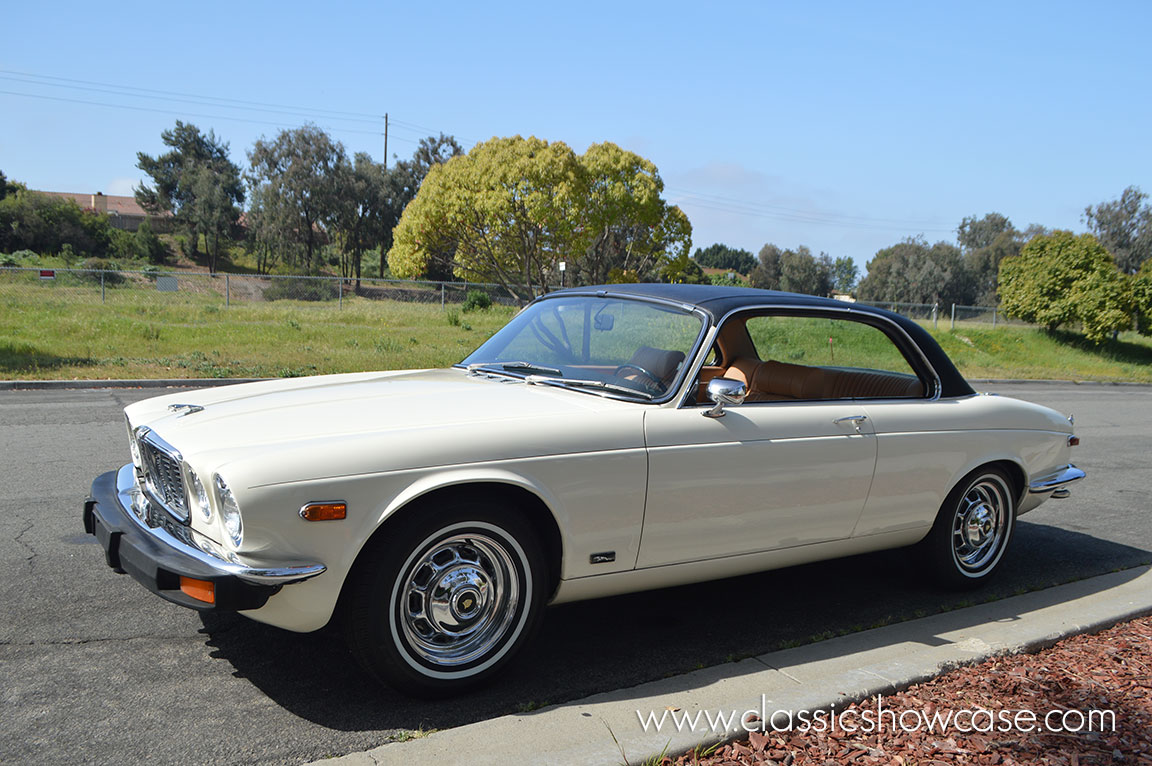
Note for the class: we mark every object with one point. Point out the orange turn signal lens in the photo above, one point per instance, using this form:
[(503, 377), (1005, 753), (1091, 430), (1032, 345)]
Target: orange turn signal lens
[(324, 511), (201, 590)]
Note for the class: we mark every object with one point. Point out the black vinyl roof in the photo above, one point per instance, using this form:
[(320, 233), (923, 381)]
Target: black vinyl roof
[(718, 301)]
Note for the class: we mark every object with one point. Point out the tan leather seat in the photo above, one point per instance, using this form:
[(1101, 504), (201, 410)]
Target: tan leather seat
[(662, 363), (869, 385), (781, 381)]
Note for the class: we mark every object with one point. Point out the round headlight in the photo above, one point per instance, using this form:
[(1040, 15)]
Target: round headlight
[(198, 496), (229, 511), (134, 448)]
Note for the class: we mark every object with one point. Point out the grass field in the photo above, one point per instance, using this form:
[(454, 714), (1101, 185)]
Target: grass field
[(66, 332)]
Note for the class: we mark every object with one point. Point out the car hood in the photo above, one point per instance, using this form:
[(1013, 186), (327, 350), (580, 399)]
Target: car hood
[(461, 417)]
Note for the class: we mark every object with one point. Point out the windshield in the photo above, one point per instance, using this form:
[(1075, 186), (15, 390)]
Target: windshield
[(614, 345)]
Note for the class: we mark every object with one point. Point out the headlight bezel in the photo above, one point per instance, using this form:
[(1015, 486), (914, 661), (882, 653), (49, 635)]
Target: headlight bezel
[(197, 494), (230, 516)]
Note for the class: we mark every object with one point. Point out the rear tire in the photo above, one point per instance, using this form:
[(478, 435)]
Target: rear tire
[(972, 530), (442, 602)]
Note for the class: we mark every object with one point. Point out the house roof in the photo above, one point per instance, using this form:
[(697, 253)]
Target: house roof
[(117, 204)]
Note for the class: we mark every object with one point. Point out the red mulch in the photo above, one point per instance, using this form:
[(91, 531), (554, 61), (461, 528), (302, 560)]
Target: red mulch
[(1111, 670)]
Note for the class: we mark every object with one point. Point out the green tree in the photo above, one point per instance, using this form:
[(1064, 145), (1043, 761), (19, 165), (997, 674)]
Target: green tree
[(766, 274), (1062, 279), (197, 183), (402, 182), (212, 192), (362, 212), (8, 187), (913, 271), (147, 245), (683, 270), (270, 228), (1124, 227), (719, 256), (985, 242), (625, 226), (794, 271), (51, 225), (800, 272), (508, 207), (302, 170), (844, 274), (1142, 298), (512, 208)]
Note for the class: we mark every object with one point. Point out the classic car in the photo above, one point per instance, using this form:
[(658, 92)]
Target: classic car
[(608, 439)]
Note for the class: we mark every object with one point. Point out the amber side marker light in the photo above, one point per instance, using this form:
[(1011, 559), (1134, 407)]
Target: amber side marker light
[(324, 511), (201, 590)]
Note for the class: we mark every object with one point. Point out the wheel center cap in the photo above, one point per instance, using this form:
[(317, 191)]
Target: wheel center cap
[(979, 525), (467, 603)]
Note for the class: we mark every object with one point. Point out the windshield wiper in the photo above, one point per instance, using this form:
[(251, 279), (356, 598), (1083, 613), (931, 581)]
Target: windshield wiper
[(510, 366), (578, 383)]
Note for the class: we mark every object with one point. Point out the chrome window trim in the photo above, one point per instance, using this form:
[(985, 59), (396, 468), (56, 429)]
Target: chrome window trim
[(794, 309), (675, 385)]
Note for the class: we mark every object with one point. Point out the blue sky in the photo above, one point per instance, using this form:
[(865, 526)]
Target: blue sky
[(841, 126)]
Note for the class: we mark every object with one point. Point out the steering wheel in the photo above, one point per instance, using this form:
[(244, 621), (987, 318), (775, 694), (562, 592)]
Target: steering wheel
[(650, 381)]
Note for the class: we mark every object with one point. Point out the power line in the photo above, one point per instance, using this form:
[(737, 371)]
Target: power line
[(191, 114), (751, 211), (208, 100), (814, 216)]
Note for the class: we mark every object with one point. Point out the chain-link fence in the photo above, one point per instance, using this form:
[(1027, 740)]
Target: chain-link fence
[(107, 285), (948, 315)]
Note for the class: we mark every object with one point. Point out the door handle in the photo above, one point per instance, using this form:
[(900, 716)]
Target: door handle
[(855, 420)]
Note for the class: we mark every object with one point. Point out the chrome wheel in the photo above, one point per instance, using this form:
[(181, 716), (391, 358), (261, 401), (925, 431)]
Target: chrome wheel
[(980, 524), (972, 531), (459, 599), (441, 600)]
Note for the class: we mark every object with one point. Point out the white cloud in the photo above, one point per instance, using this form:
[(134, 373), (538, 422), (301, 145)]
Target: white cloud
[(121, 186)]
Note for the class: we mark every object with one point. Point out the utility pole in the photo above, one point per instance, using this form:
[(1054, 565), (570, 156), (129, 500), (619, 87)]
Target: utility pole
[(385, 140)]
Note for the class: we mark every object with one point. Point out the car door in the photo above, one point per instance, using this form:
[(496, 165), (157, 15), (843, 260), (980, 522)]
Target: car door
[(794, 464), (764, 476)]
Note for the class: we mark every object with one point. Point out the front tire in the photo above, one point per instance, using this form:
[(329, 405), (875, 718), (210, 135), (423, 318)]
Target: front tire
[(441, 603), (972, 530)]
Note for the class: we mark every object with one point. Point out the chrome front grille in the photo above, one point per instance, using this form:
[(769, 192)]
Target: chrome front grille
[(163, 474)]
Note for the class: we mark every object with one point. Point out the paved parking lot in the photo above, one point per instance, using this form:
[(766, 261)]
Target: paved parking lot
[(96, 669)]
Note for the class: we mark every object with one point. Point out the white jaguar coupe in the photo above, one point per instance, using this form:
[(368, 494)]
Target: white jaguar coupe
[(608, 439)]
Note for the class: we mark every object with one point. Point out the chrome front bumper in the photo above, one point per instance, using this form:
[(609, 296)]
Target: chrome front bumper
[(1056, 482), (158, 551)]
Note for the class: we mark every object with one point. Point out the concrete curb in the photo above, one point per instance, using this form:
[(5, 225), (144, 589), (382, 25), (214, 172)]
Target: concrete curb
[(817, 676), (42, 385)]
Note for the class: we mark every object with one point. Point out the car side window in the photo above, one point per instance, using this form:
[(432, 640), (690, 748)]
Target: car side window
[(819, 357)]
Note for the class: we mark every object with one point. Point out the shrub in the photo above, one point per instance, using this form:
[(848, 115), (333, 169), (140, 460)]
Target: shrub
[(300, 290), (453, 318), (476, 300), (101, 270)]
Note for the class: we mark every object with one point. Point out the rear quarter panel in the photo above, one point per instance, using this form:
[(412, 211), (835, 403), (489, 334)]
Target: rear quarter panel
[(925, 447)]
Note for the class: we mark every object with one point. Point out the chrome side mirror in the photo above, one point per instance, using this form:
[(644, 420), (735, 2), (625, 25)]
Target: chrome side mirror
[(724, 391)]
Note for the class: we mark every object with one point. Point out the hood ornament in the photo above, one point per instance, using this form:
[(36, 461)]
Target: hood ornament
[(184, 409)]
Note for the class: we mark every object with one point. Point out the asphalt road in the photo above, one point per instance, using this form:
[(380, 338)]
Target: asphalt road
[(95, 669)]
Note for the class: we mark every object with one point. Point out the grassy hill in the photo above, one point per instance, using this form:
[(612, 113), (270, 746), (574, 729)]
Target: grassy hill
[(62, 332)]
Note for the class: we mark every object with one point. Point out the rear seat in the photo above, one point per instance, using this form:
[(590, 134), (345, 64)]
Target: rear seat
[(780, 381)]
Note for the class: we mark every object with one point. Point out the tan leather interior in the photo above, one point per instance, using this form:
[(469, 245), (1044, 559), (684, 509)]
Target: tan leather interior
[(660, 362), (781, 381)]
